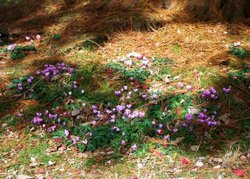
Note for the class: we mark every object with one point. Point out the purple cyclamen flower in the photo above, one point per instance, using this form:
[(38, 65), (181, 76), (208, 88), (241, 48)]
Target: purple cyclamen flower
[(144, 96), (160, 126), (206, 93), (189, 117), (213, 90), (117, 129), (128, 106), (175, 130), (141, 114), (52, 128), (119, 108), (117, 92), (108, 111), (37, 120), (226, 90), (184, 125), (39, 114)]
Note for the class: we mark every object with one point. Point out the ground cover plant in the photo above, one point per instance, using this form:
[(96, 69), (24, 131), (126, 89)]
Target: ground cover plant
[(155, 101)]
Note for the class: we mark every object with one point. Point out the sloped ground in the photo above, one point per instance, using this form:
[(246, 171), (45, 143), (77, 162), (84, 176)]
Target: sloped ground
[(90, 34)]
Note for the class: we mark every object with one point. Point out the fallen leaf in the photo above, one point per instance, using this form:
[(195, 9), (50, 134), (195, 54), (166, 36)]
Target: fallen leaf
[(157, 154), (58, 140), (134, 177), (185, 161), (239, 172), (40, 171), (195, 148), (51, 163), (23, 177), (75, 112)]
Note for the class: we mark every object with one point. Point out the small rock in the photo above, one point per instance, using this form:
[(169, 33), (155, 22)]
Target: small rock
[(199, 163), (75, 112), (51, 163), (195, 148), (217, 167), (4, 125)]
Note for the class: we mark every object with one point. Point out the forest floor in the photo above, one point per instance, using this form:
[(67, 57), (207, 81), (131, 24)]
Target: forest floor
[(190, 56)]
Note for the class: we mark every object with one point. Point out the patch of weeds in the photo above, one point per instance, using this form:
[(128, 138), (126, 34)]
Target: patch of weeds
[(240, 77), (176, 48), (209, 76), (10, 120), (245, 39), (19, 51), (38, 152), (137, 74), (56, 37), (52, 83), (239, 52), (94, 43), (90, 162)]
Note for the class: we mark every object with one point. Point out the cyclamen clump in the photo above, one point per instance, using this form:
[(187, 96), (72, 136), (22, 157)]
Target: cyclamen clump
[(129, 61), (204, 118), (209, 94), (118, 112), (51, 71)]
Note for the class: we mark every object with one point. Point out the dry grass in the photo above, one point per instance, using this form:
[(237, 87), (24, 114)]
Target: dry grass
[(164, 33)]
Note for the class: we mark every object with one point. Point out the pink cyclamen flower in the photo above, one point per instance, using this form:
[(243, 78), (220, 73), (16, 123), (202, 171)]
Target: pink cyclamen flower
[(154, 96), (166, 137), (167, 80), (27, 38), (75, 140), (11, 47), (85, 142), (66, 132), (188, 87), (38, 36), (180, 85), (158, 131), (123, 142), (134, 147), (93, 123)]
